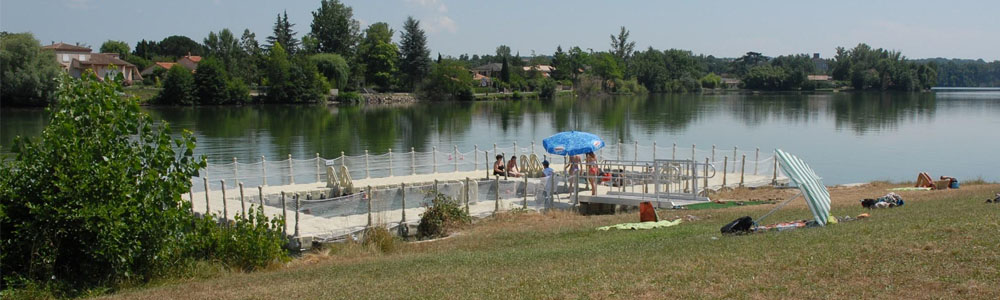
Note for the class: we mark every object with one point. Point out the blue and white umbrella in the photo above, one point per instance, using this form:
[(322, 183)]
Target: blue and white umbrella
[(572, 143)]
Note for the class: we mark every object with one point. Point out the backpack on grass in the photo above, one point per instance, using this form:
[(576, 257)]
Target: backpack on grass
[(741, 225)]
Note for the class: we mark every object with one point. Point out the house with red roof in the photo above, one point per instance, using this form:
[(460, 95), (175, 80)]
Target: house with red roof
[(189, 61), (76, 59)]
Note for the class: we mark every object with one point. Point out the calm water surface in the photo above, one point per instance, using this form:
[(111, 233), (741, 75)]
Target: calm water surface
[(846, 137)]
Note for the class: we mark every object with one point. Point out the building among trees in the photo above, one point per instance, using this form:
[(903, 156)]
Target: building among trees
[(77, 59)]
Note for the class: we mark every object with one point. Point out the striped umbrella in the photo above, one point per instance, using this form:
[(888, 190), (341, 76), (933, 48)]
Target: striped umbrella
[(817, 197)]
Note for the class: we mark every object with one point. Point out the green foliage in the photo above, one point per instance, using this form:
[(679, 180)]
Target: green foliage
[(210, 82), (176, 46), (443, 215), (546, 88), (333, 67), (449, 80), (178, 88), (139, 62), (250, 243), (293, 81), (607, 66), (711, 81), (350, 97), (963, 72), (415, 60), (766, 78), (668, 71), (379, 56), (751, 59), (119, 47), (97, 198), (628, 86), (283, 35), (27, 72), (334, 28), (869, 68), (621, 47), (505, 71)]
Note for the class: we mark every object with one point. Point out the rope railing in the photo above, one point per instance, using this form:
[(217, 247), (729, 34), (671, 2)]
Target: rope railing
[(289, 170)]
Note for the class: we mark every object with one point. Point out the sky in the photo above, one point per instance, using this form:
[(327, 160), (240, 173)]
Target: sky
[(918, 28)]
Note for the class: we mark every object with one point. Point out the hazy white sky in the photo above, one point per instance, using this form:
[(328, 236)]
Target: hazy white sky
[(919, 28)]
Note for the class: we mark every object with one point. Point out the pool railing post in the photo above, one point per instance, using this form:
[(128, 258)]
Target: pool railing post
[(291, 170), (284, 215), (743, 168), (263, 170), (367, 173)]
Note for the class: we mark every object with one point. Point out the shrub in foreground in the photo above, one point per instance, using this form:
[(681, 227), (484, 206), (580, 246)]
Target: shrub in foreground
[(443, 215)]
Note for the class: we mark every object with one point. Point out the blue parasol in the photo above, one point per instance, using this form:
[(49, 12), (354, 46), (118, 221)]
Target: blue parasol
[(572, 143)]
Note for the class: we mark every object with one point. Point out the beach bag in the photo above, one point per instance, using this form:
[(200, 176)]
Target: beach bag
[(740, 225)]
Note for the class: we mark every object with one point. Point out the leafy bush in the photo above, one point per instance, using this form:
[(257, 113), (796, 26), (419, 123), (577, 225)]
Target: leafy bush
[(333, 67), (251, 242), (547, 88), (97, 198), (448, 81), (178, 88), (443, 215), (711, 81), (350, 97)]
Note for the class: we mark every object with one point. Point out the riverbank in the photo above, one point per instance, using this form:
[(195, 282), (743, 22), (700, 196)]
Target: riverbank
[(940, 244)]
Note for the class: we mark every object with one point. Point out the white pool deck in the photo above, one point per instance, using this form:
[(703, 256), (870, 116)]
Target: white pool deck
[(328, 227)]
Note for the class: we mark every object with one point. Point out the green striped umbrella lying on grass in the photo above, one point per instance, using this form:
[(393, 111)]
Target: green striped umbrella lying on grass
[(817, 197)]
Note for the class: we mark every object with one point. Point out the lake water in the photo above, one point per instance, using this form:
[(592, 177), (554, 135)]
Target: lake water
[(846, 137)]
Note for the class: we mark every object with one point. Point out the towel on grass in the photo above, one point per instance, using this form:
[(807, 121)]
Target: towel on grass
[(643, 225)]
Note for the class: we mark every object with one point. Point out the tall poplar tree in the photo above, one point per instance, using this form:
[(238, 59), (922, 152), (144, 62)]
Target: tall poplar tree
[(416, 61)]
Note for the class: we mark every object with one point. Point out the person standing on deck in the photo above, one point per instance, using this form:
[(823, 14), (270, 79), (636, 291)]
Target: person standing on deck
[(592, 172)]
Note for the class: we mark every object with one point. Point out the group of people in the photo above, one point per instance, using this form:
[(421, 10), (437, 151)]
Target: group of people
[(573, 168)]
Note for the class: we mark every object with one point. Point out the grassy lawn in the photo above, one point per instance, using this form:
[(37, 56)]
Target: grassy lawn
[(941, 244)]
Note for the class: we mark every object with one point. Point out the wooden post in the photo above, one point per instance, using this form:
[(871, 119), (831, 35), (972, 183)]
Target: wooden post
[(436, 192), (654, 150), (524, 204), (774, 179), (368, 194), (454, 158), (496, 198), (367, 172), (343, 159), (263, 170), (734, 159), (620, 149), (291, 170), (468, 193), (692, 153), (297, 205), (413, 162), (576, 189), (243, 205), (515, 150), (705, 178), (284, 215), (713, 152), (434, 159), (475, 156), (225, 208), (402, 193), (743, 168), (756, 160), (319, 168), (390, 162), (487, 164), (236, 169), (725, 168), (191, 198), (635, 153), (532, 147), (260, 196), (673, 153)]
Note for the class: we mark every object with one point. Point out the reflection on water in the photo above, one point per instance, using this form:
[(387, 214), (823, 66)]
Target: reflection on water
[(835, 130)]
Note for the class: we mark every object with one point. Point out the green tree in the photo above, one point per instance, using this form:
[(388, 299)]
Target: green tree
[(503, 51), (226, 48), (766, 77), (620, 46), (379, 55), (293, 80), (505, 71), (176, 46), (27, 72), (560, 63), (279, 70), (415, 60), (210, 86), (250, 70), (119, 47), (751, 59), (334, 28), (283, 34), (449, 80), (96, 199), (178, 88), (333, 67), (711, 81)]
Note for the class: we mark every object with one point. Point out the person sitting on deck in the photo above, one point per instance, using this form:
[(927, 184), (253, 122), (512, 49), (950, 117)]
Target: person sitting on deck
[(498, 166), (547, 171), (512, 169)]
